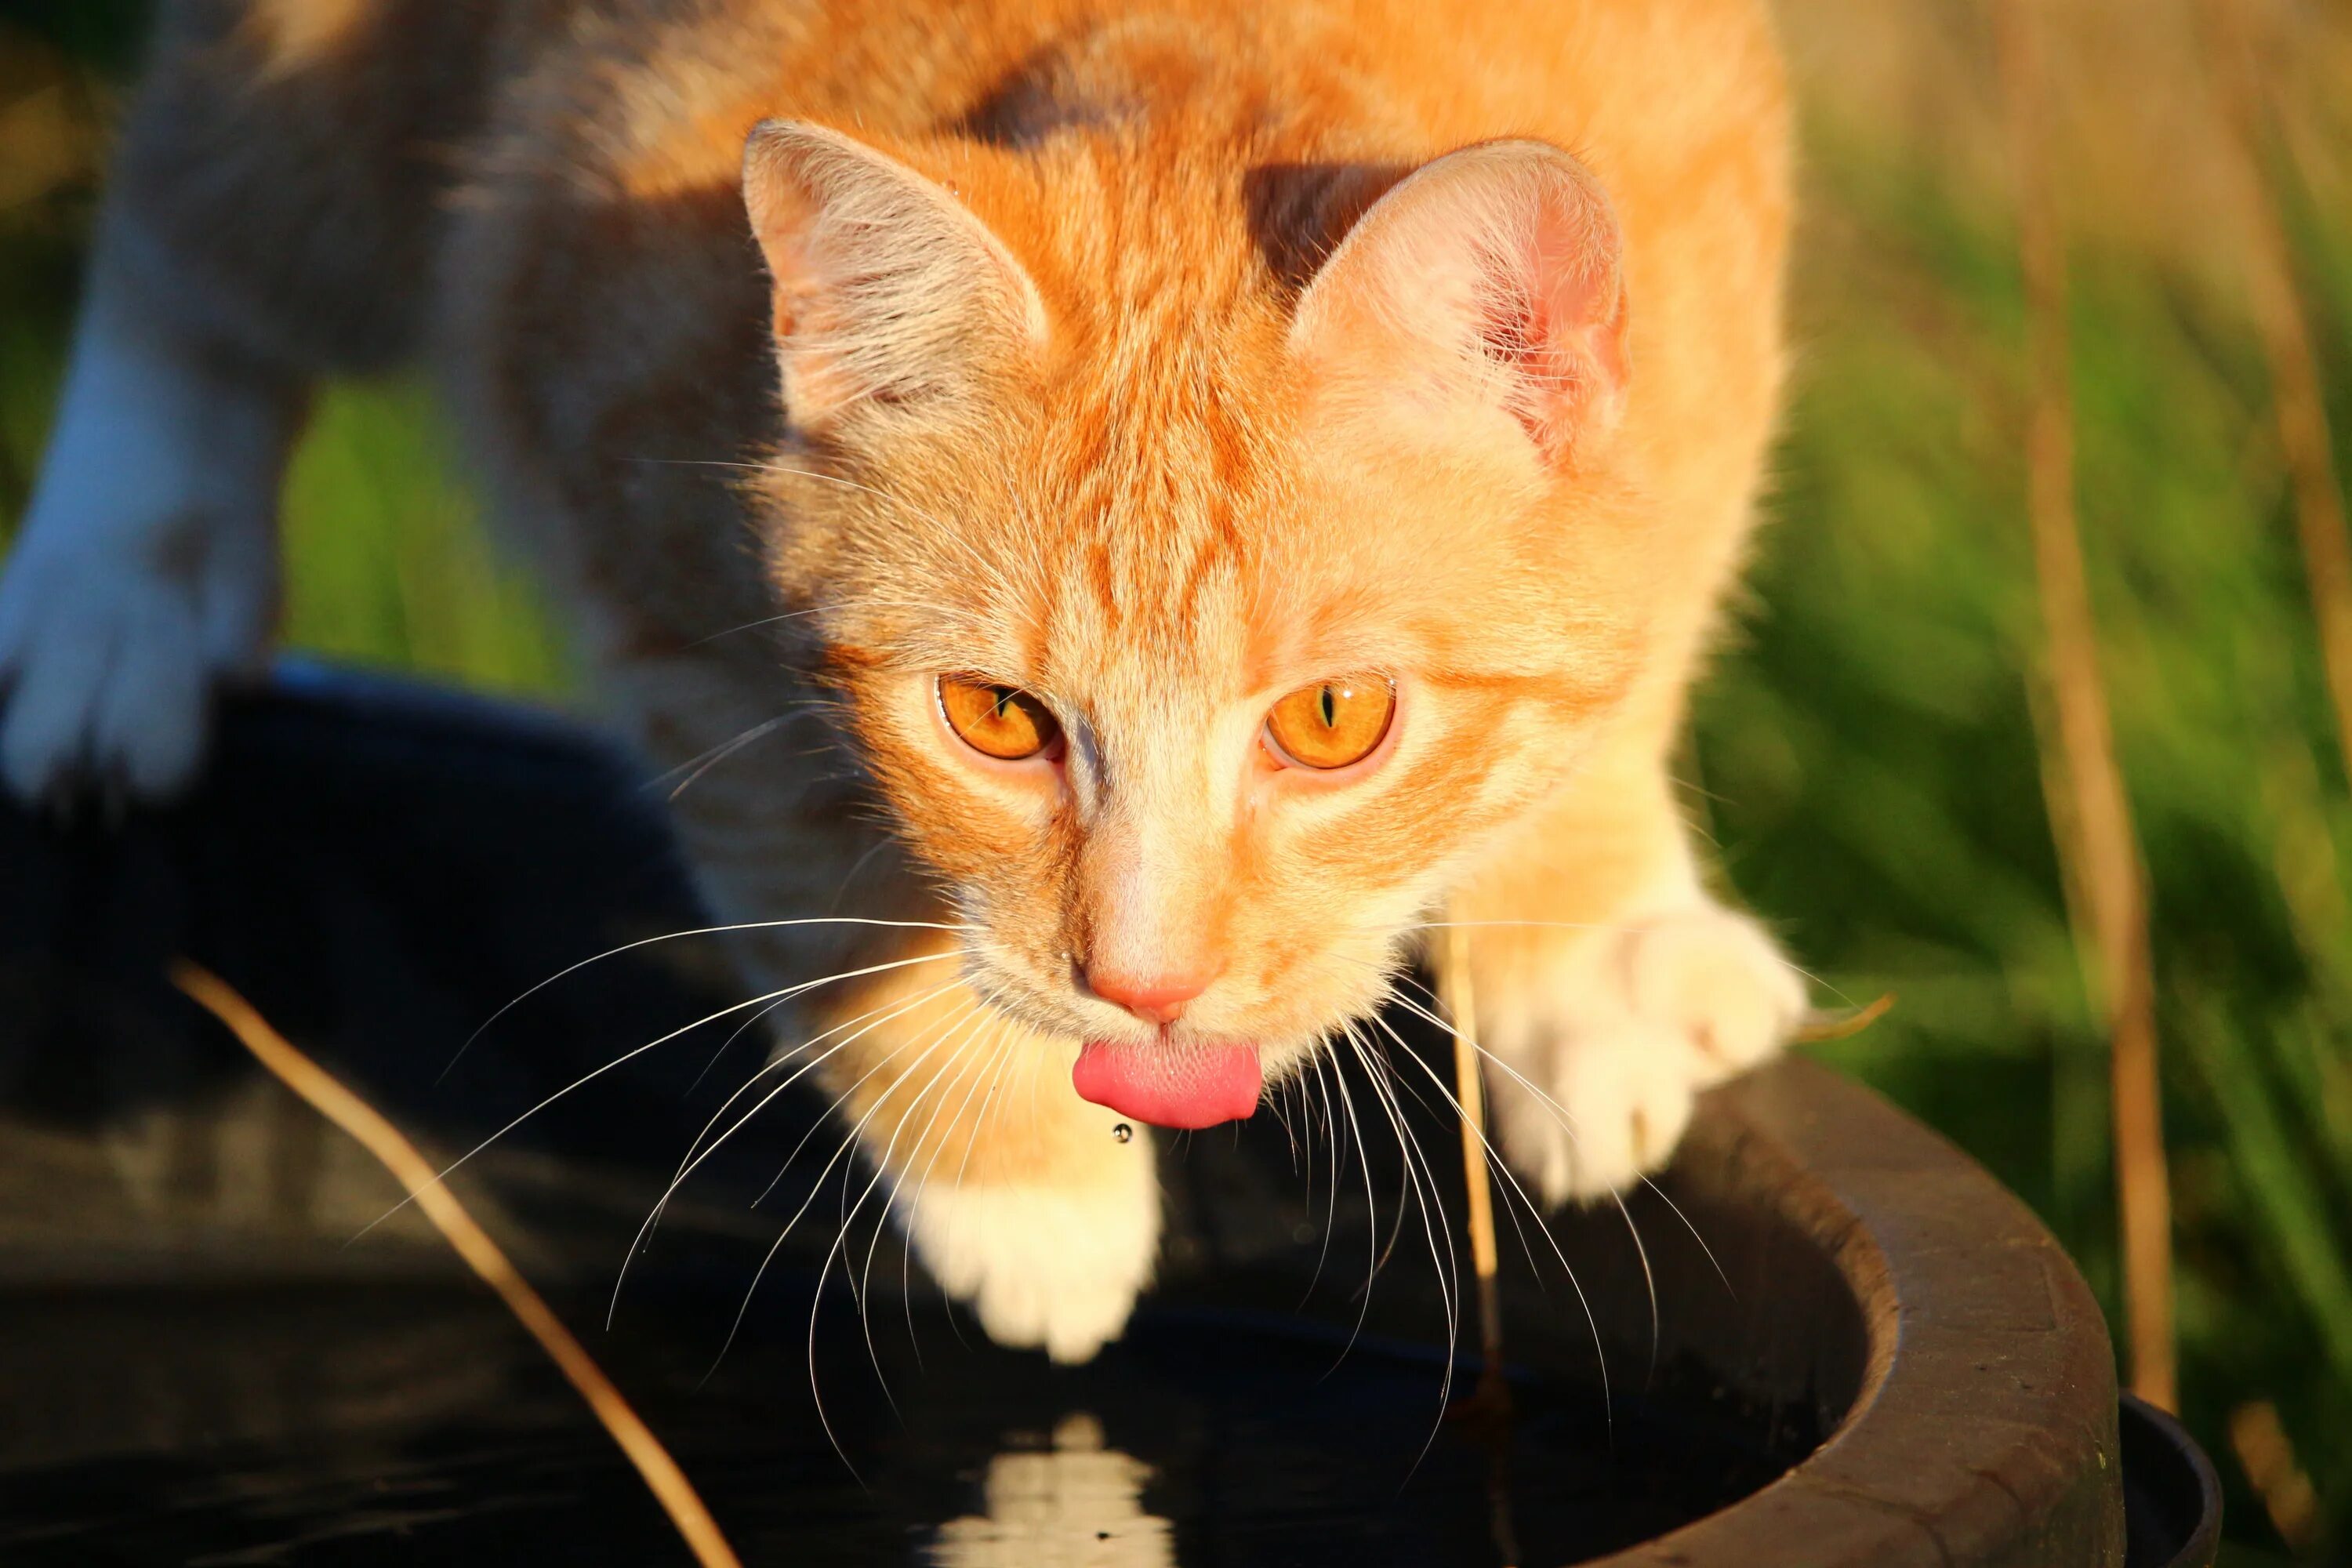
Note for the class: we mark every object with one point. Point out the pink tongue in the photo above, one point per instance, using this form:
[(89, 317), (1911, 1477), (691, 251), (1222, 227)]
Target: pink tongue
[(1170, 1086)]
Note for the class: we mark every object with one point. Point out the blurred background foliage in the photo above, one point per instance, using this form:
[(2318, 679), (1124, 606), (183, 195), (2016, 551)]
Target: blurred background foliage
[(1866, 752)]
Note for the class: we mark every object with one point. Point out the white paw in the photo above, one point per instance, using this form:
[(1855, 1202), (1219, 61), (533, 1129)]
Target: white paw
[(1622, 1033), (145, 569), (1057, 1267), (108, 664)]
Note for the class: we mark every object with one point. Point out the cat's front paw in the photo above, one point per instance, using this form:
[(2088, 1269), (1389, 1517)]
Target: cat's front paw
[(1611, 1043), (1052, 1268), (108, 659)]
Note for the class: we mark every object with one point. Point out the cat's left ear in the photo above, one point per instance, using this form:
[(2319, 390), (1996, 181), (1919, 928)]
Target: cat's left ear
[(1482, 300), (888, 290)]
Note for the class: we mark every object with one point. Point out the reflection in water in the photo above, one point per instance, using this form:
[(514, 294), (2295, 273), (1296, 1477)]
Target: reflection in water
[(1077, 1505), (371, 1424)]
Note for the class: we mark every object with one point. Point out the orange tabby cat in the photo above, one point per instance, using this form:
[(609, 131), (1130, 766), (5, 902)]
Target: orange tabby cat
[(1228, 481)]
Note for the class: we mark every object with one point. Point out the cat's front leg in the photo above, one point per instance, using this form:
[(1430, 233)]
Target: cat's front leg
[(147, 567), (1054, 1264), (1035, 1209), (1610, 989)]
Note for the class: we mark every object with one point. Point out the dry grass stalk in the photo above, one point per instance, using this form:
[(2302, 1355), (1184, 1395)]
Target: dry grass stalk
[(2095, 835), (1469, 1089), (1845, 1026), (2303, 856), (2268, 1458), (2297, 402), (416, 1173)]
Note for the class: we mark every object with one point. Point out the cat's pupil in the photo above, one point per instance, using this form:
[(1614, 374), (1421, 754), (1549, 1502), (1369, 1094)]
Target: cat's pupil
[(1005, 695), (1331, 707)]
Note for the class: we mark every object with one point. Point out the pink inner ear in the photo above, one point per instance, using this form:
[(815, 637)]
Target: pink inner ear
[(1488, 281), (1556, 316)]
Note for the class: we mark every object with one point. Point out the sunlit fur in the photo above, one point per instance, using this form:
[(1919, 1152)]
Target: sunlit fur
[(1051, 349)]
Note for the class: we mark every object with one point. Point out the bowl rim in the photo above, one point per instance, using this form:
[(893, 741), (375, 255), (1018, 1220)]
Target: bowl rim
[(1984, 1428)]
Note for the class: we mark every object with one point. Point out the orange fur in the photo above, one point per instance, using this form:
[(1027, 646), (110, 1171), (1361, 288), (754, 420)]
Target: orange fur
[(1137, 355)]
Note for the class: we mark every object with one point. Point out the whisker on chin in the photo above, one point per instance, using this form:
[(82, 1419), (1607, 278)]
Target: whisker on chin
[(1514, 1188), (1422, 1183), (629, 1056), (881, 1167), (891, 1009), (1649, 1280), (1407, 1147), (1331, 1198), (840, 1150), (1567, 1122), (1375, 1257), (680, 935), (697, 1153), (1493, 1155), (997, 1045), (817, 1187)]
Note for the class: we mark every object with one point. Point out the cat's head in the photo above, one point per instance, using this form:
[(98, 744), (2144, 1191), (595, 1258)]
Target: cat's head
[(1196, 623)]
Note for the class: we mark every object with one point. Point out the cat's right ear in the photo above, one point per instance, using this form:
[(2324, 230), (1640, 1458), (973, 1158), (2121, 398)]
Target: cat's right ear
[(1481, 303), (888, 290)]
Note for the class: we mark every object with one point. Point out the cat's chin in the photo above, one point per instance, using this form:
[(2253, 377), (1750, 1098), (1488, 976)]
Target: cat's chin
[(1182, 1087)]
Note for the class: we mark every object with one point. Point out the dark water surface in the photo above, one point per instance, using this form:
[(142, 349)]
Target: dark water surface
[(401, 1424)]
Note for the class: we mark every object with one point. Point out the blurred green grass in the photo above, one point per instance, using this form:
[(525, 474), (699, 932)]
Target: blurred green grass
[(386, 559), (1866, 753)]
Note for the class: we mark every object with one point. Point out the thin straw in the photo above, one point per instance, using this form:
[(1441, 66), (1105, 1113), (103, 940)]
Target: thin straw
[(1460, 1006), (412, 1171), (2094, 836), (2298, 403)]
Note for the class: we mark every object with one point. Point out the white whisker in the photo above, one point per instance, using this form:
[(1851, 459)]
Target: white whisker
[(697, 1153), (725, 749), (680, 935), (840, 1150), (1371, 1216), (983, 1068), (1511, 1181), (881, 1168), (1422, 1183), (625, 1056)]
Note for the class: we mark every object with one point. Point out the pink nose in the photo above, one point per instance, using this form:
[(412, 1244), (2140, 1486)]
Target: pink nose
[(1156, 999)]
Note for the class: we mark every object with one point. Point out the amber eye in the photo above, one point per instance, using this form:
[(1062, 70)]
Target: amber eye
[(1002, 722), (1332, 722)]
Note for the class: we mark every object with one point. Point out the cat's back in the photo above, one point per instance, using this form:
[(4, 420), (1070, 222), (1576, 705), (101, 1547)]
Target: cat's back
[(607, 308), (638, 89)]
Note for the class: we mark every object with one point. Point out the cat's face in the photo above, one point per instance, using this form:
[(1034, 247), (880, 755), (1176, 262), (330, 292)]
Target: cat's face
[(1195, 634)]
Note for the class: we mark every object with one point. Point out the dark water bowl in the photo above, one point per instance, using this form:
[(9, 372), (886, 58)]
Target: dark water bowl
[(2172, 1499), (1825, 1338)]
